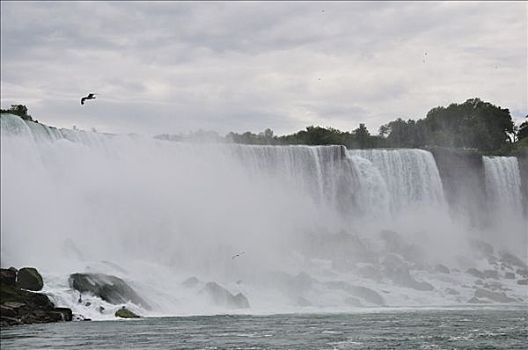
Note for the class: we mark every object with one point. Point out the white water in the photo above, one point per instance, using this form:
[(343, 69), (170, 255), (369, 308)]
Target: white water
[(503, 184), (155, 213), (410, 175), (503, 189)]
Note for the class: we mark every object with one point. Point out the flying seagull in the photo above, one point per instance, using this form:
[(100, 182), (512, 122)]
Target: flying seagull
[(237, 255), (89, 97)]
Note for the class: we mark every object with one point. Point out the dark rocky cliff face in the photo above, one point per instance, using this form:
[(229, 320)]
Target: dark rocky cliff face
[(462, 174)]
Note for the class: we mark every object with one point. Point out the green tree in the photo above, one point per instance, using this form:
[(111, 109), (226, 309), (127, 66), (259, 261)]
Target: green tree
[(523, 130), (362, 136), (19, 110)]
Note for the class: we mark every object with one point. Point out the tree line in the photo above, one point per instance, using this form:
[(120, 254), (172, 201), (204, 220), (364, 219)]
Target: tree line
[(19, 110), (474, 125)]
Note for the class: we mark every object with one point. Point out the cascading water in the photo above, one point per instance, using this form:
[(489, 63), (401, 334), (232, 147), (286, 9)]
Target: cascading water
[(505, 208), (154, 213), (503, 184), (410, 175)]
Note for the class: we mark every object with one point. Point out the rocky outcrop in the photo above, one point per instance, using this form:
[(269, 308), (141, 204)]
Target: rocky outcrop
[(368, 295), (441, 268), (395, 243), (484, 296), (29, 278), (509, 259), (191, 282), (397, 270), (475, 273), (125, 313), (21, 306), (111, 289), (8, 276), (222, 297)]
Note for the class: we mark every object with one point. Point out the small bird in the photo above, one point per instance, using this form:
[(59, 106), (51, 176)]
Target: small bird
[(237, 255), (89, 97)]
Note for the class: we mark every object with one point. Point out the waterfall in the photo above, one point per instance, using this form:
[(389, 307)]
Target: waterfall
[(410, 175), (503, 185), (156, 212)]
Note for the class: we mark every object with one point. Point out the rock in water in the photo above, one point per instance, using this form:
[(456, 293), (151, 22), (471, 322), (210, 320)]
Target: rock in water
[(475, 273), (29, 278), (126, 313), (8, 277), (109, 288), (66, 314), (222, 297), (19, 306), (441, 268), (367, 294), (397, 270), (499, 297), (191, 282)]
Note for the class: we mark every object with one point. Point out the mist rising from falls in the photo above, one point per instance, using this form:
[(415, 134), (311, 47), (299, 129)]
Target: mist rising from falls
[(154, 213)]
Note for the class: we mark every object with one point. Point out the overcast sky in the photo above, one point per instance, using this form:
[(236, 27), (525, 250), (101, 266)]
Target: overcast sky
[(172, 67)]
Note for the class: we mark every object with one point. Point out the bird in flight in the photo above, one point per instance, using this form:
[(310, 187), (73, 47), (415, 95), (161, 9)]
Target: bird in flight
[(237, 255), (89, 97)]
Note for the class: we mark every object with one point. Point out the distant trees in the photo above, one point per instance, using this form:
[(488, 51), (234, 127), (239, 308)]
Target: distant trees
[(473, 124), (522, 133), (19, 110)]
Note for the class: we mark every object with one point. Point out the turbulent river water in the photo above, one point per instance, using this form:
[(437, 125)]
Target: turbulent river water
[(292, 228), (402, 329)]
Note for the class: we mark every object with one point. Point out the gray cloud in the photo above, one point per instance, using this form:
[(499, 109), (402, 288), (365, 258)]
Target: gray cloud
[(182, 66)]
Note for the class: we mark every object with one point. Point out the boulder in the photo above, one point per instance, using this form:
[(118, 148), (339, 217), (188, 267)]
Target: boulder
[(395, 243), (191, 282), (8, 311), (8, 276), (353, 302), (302, 301), (126, 313), (476, 273), (512, 260), (499, 297), (29, 278), (452, 291), (20, 306), (396, 270), (523, 272), (482, 247), (509, 275), (475, 300), (222, 297), (367, 294), (111, 289), (370, 271), (66, 313), (491, 274), (441, 268)]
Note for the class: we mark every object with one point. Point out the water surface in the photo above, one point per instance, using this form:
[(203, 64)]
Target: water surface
[(421, 329)]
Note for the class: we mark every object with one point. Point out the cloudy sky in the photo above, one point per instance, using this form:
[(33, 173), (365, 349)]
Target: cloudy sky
[(172, 67)]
